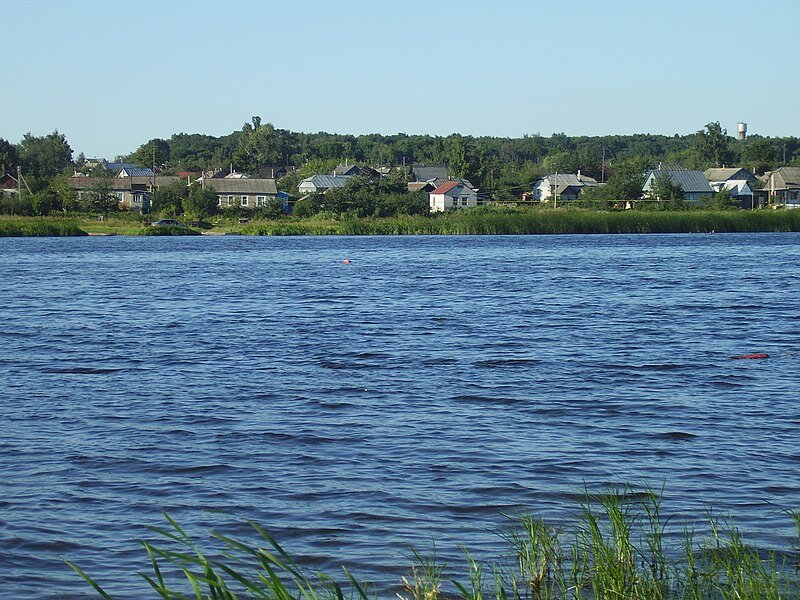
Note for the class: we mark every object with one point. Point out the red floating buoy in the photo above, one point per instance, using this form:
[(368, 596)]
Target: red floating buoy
[(754, 356)]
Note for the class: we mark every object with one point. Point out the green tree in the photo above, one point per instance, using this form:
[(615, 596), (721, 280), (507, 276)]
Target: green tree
[(9, 157), (42, 158), (101, 197), (44, 202), (664, 190), (64, 194), (272, 210), (156, 151), (168, 199), (626, 180), (760, 154), (713, 146), (259, 145), (200, 203), (308, 206), (722, 200)]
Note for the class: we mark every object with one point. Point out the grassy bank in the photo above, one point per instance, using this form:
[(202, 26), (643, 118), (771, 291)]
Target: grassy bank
[(617, 549)]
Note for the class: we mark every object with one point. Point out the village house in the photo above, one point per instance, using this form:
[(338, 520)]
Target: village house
[(428, 173), (420, 186), (133, 193), (740, 183), (566, 186), (244, 192), (694, 184), (8, 185), (452, 195), (783, 186), (274, 172), (319, 184), (119, 169)]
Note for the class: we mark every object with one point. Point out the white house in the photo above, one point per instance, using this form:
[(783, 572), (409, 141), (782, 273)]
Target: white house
[(739, 182), (568, 186), (452, 195)]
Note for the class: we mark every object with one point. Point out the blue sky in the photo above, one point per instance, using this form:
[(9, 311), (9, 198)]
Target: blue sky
[(112, 75)]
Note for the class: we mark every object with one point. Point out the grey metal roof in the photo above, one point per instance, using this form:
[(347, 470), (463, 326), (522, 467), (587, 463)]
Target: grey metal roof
[(691, 182), (134, 171), (242, 186), (429, 172), (131, 169), (783, 178), (121, 183), (567, 179), (791, 175), (327, 182), (346, 170), (726, 173)]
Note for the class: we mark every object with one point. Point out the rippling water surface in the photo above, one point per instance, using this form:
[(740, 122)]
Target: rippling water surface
[(411, 396)]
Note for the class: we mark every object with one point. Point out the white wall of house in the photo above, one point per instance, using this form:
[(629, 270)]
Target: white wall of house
[(543, 190), (307, 187), (459, 197)]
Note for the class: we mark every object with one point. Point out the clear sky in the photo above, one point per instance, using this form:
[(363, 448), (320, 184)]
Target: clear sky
[(112, 75)]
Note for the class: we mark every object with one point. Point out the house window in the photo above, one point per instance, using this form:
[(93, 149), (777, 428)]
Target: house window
[(261, 200), (245, 200)]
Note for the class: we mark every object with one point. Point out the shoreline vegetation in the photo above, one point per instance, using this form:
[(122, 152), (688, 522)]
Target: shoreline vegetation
[(620, 546), (478, 221)]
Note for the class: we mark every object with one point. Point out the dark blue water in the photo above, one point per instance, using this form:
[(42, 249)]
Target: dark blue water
[(411, 396)]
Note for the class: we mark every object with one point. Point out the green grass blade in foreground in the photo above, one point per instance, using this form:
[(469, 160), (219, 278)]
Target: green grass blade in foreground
[(89, 580), (618, 549)]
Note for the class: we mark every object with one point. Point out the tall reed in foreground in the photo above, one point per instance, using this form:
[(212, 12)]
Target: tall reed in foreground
[(618, 548)]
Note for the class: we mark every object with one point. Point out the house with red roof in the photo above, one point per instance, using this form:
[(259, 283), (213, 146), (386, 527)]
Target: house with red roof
[(452, 195)]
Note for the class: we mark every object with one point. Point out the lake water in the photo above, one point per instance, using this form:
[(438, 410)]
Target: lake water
[(413, 395)]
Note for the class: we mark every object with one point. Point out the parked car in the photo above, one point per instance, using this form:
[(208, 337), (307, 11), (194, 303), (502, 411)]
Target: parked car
[(167, 223)]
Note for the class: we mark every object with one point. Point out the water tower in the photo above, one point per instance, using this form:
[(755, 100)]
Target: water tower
[(742, 130)]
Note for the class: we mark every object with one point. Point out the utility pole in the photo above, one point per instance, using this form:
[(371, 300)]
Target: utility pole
[(603, 167), (555, 190)]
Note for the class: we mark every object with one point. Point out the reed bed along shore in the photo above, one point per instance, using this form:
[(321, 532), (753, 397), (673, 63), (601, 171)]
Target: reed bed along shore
[(617, 548), (28, 227), (522, 222), (477, 221)]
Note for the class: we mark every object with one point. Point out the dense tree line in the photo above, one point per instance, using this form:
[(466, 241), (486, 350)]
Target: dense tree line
[(502, 168)]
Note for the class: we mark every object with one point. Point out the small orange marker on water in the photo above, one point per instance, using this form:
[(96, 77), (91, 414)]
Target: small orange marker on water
[(754, 356)]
